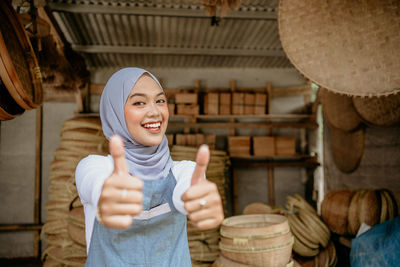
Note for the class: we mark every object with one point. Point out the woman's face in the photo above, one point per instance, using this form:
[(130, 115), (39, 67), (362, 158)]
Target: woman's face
[(146, 112)]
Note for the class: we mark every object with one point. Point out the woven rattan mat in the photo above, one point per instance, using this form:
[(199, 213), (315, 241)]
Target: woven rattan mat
[(349, 47)]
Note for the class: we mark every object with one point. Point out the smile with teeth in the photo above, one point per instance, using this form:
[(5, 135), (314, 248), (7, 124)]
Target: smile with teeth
[(152, 125)]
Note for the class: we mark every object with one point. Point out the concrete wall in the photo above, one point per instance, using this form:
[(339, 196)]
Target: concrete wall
[(17, 148)]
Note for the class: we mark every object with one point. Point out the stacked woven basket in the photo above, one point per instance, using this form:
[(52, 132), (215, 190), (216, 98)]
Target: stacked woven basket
[(345, 210), (64, 229), (255, 240), (311, 235), (203, 245)]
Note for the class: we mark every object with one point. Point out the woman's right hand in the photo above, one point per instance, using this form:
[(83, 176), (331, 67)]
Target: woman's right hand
[(121, 196)]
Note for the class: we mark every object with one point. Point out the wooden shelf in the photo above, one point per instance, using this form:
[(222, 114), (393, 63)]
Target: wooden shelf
[(306, 161), (244, 121)]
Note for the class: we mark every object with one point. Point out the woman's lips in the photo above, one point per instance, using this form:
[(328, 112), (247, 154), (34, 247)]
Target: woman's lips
[(153, 127)]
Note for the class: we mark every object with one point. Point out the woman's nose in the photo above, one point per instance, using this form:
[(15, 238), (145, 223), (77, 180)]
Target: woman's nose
[(153, 110)]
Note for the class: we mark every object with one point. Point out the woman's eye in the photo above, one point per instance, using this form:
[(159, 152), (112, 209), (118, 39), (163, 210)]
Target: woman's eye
[(161, 101), (138, 103)]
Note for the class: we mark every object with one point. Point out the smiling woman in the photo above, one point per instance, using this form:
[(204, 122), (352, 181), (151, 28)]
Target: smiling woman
[(146, 111), (136, 199)]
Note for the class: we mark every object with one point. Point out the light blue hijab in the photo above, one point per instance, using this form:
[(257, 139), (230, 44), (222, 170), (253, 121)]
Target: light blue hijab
[(145, 162)]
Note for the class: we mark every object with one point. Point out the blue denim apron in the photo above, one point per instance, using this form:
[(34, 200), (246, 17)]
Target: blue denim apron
[(157, 236)]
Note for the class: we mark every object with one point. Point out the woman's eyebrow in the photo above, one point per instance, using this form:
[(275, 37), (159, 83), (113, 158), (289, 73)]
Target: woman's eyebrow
[(144, 95)]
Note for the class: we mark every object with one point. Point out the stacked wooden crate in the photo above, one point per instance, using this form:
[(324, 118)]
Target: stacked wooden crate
[(225, 103), (187, 104), (263, 146), (260, 104), (194, 140), (269, 146), (238, 103), (211, 104), (239, 146)]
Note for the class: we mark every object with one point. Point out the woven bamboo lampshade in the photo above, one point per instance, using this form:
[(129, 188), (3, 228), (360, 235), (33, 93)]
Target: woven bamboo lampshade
[(349, 47)]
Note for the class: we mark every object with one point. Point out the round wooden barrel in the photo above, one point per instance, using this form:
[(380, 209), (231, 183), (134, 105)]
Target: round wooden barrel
[(19, 68)]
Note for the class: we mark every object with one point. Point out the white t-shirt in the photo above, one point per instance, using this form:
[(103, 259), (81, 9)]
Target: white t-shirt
[(94, 169)]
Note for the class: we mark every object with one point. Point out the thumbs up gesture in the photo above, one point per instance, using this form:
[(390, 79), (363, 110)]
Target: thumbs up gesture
[(121, 196), (202, 200)]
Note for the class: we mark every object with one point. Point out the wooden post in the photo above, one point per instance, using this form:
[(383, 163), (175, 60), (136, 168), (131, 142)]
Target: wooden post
[(271, 186), (269, 96), (232, 120), (38, 178), (235, 192)]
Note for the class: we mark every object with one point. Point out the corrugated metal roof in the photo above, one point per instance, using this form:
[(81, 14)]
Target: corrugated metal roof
[(170, 33)]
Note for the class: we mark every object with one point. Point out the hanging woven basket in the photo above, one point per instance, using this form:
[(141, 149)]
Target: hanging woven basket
[(19, 69), (349, 47)]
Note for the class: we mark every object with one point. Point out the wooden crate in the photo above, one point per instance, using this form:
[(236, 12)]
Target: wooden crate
[(260, 110), (187, 109), (260, 104), (264, 146), (239, 145), (225, 98), (180, 139), (211, 103), (186, 98), (209, 139), (170, 138), (238, 98), (237, 109), (285, 146), (191, 140), (171, 109), (224, 109)]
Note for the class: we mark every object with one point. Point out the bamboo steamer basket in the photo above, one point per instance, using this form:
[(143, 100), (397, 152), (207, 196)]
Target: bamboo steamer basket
[(339, 111), (244, 239), (347, 148), (9, 109), (379, 111), (19, 69), (334, 209), (348, 47)]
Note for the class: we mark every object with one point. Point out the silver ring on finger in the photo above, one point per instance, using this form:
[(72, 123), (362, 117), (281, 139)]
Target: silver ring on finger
[(202, 203), (124, 193)]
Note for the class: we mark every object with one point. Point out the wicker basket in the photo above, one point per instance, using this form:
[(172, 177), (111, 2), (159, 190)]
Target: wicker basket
[(260, 240)]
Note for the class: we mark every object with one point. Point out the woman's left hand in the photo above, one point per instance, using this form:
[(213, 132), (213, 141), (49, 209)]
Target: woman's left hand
[(202, 200)]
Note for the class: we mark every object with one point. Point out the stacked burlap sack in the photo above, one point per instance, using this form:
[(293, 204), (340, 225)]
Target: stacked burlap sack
[(203, 245), (345, 210), (64, 230)]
